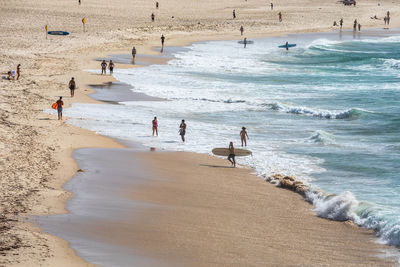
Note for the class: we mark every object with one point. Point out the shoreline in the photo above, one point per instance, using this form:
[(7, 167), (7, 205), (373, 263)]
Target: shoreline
[(67, 151), (288, 187)]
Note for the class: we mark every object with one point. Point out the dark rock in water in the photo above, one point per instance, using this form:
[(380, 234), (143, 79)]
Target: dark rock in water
[(80, 170)]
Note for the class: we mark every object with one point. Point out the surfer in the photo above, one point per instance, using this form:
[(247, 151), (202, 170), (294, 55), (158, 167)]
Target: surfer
[(245, 42), (162, 42), (241, 30), (103, 67), (111, 67), (287, 46), (60, 103), (155, 126), (231, 156), (18, 71), (72, 86), (244, 136), (182, 130)]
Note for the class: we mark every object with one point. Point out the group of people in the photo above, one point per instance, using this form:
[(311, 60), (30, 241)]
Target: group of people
[(182, 132), (104, 67), (387, 18), (12, 74)]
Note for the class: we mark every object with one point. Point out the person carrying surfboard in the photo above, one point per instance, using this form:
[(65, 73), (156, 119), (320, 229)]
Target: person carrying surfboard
[(59, 103), (231, 156)]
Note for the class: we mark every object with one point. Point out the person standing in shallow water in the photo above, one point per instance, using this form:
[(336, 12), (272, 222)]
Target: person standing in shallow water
[(155, 126), (103, 67), (231, 156), (111, 67), (162, 42), (182, 130), (244, 136)]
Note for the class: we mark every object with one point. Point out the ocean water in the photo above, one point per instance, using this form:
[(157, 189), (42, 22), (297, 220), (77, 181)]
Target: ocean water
[(326, 111)]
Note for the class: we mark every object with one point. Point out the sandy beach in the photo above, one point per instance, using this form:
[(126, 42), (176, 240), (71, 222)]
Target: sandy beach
[(37, 148)]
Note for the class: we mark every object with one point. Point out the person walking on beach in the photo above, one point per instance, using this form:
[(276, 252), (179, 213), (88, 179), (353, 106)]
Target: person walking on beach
[(18, 71), (280, 16), (157, 5), (341, 23), (388, 17), (72, 86), (234, 14), (385, 20), (162, 42), (182, 130), (111, 67), (79, 2), (355, 25), (60, 103), (133, 54), (244, 136), (152, 17), (231, 156), (103, 67), (272, 6), (155, 126), (241, 30)]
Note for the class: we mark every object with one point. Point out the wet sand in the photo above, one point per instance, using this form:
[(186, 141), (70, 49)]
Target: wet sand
[(186, 209)]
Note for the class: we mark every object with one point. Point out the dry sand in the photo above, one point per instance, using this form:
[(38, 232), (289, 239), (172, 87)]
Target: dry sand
[(36, 148)]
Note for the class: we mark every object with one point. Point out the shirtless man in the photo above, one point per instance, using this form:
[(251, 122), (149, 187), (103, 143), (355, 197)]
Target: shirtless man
[(182, 130), (280, 16), (244, 136), (103, 67), (231, 156), (241, 30), (72, 86), (60, 103), (155, 126)]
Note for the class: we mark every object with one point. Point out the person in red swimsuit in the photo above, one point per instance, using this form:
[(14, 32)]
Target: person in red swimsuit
[(155, 126)]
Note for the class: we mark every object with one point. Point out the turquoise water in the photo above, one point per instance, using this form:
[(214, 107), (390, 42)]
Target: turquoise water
[(326, 111)]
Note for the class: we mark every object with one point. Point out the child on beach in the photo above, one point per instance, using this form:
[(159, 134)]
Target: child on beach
[(103, 67), (182, 130), (155, 126), (231, 156), (72, 86), (244, 136), (111, 67)]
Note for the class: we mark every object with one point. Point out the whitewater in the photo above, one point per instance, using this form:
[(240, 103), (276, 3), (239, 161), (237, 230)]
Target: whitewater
[(326, 112)]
